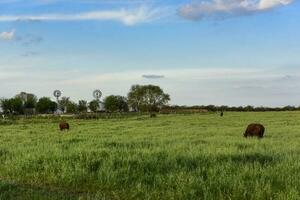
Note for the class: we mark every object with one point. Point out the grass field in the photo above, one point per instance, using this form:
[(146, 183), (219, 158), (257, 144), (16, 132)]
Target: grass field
[(201, 156)]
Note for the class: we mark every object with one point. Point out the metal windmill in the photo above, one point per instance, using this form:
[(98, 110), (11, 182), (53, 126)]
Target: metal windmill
[(57, 94), (97, 95)]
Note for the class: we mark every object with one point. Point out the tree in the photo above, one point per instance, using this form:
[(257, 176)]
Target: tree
[(248, 108), (6, 106), (63, 103), (45, 105), (94, 105), (223, 108), (12, 106), (135, 97), (289, 108), (211, 108), (72, 107), (123, 104), (30, 101), (82, 106), (114, 103), (16, 105), (68, 106), (148, 98)]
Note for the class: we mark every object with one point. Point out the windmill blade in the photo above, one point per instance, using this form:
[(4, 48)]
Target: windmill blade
[(57, 93), (97, 94)]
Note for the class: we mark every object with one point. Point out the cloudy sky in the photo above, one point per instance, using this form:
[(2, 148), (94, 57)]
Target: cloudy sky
[(233, 52)]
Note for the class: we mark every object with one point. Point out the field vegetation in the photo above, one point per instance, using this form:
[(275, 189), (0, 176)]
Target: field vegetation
[(194, 156)]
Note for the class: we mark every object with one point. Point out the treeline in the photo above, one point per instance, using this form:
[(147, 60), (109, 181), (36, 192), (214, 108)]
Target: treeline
[(144, 98), (213, 108), (140, 98)]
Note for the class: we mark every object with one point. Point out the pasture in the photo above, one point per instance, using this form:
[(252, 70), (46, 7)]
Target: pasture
[(196, 156)]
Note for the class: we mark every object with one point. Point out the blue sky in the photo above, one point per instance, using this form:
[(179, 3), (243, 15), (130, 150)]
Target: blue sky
[(233, 52)]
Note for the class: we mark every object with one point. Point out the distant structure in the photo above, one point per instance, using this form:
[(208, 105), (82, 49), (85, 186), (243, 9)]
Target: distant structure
[(24, 96), (97, 94), (57, 94)]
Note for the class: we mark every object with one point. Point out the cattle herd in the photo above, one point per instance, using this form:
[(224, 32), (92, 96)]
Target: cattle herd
[(253, 130)]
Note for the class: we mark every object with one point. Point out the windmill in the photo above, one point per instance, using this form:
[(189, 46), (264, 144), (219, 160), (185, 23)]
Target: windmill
[(97, 94), (57, 94)]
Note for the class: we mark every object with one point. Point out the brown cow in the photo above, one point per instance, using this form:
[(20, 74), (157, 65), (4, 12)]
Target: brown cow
[(255, 130), (152, 115), (64, 126), (222, 114)]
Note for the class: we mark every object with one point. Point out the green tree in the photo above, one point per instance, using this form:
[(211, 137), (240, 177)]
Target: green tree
[(63, 103), (6, 106), (94, 105), (20, 104), (30, 101), (45, 105), (115, 103), (68, 106), (12, 105), (17, 105), (248, 108), (135, 97), (149, 98), (72, 107), (82, 106)]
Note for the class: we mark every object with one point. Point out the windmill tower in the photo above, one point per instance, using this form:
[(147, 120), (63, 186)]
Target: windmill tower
[(97, 94), (57, 94)]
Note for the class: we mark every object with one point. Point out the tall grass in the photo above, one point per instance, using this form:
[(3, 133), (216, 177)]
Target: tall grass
[(201, 156)]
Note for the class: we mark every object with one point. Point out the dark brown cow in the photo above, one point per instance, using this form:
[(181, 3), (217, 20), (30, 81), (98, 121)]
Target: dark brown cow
[(152, 115), (64, 126), (257, 130)]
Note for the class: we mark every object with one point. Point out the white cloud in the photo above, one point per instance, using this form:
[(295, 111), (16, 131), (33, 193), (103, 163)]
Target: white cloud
[(127, 17), (188, 86), (10, 35), (267, 4), (227, 8)]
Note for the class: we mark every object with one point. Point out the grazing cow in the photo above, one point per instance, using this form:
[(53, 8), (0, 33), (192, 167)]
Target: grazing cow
[(222, 114), (255, 130), (152, 115), (64, 126)]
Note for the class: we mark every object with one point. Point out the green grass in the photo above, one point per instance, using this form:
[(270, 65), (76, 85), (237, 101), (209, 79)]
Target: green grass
[(201, 156)]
